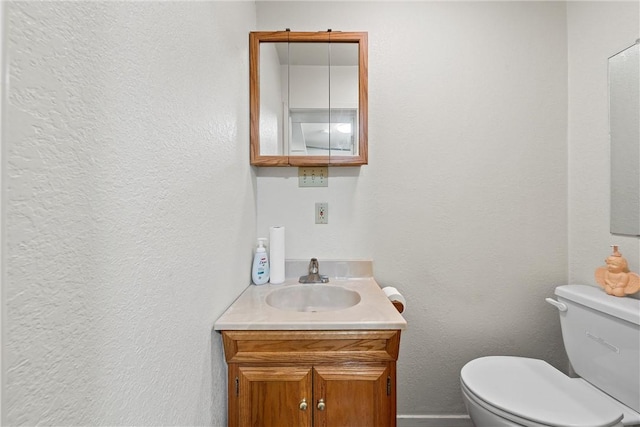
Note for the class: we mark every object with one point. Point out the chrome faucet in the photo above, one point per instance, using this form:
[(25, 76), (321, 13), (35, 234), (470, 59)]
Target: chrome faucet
[(314, 275)]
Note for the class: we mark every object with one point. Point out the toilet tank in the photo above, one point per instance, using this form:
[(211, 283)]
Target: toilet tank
[(601, 334)]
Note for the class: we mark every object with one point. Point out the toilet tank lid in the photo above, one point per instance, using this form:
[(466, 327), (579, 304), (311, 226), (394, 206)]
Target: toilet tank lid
[(625, 308)]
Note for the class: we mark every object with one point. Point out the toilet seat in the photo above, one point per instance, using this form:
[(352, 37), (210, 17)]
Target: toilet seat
[(532, 392)]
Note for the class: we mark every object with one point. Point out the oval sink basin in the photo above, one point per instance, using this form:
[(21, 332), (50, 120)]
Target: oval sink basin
[(311, 298)]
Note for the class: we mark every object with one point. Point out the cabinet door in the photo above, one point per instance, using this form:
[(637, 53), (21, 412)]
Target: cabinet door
[(273, 396), (354, 396)]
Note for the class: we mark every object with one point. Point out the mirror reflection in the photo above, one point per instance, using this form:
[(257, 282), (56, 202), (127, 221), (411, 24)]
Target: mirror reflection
[(312, 93), (321, 131), (624, 129), (308, 99)]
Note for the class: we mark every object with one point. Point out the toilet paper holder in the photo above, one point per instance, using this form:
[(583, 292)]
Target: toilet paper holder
[(395, 297), (398, 305)]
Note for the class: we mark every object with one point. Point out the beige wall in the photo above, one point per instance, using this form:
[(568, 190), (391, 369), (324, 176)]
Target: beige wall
[(130, 209)]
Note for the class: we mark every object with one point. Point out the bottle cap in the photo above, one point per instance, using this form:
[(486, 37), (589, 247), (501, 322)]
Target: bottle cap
[(261, 244)]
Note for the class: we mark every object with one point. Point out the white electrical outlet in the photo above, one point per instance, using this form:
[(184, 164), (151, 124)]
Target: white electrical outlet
[(313, 177), (322, 213)]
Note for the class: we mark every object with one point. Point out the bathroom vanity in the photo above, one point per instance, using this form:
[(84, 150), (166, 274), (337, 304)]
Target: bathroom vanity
[(299, 355)]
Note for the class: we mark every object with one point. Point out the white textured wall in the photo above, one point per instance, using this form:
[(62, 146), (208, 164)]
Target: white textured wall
[(2, 216), (597, 30), (463, 205), (130, 208)]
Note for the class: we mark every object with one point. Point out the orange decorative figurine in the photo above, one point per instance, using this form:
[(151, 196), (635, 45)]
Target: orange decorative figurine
[(615, 277)]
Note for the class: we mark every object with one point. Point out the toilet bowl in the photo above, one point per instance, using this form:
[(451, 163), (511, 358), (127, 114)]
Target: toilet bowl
[(504, 391), (601, 334)]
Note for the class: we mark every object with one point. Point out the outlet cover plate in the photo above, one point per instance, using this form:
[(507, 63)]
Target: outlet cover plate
[(313, 176), (322, 213)]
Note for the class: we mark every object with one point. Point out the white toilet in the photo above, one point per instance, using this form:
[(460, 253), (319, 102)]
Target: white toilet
[(601, 334)]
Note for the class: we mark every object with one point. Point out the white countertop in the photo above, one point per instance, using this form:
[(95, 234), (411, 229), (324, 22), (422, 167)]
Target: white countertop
[(374, 311)]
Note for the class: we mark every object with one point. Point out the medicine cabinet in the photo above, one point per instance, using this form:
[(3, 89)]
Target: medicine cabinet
[(624, 131), (308, 98)]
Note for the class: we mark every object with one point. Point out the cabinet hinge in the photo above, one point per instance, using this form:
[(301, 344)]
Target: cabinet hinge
[(389, 385), (237, 387)]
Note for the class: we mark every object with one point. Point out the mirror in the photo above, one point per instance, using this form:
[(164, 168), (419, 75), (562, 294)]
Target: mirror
[(624, 131), (308, 98)]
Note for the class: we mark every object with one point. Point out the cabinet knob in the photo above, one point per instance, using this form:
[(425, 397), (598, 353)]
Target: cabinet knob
[(303, 405), (321, 405)]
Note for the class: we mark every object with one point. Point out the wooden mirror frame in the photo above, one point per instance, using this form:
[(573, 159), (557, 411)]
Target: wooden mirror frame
[(257, 37)]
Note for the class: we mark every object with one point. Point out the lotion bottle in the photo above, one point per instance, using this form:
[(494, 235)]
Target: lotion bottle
[(260, 270)]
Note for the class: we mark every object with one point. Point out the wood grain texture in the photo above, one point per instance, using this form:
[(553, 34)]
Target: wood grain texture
[(310, 346), (271, 396), (353, 396), (353, 372)]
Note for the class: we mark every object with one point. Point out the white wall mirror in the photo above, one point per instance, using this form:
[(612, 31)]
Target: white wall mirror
[(624, 130), (308, 98)]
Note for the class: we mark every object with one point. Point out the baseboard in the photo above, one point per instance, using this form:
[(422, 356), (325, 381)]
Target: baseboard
[(434, 421)]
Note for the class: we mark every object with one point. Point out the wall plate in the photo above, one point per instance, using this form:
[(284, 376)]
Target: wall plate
[(322, 213), (313, 176)]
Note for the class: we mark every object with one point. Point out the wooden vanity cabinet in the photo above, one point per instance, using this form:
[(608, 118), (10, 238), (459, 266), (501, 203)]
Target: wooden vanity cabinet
[(312, 378)]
